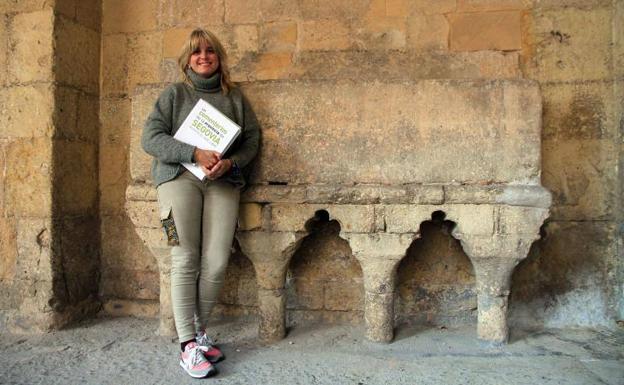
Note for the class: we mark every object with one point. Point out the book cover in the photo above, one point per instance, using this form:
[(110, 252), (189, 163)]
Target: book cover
[(207, 128)]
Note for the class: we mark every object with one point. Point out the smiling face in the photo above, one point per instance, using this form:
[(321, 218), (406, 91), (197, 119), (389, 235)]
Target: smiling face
[(204, 60)]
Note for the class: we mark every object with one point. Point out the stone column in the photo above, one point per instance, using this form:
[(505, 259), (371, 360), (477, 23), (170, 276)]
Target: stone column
[(270, 253), (379, 255)]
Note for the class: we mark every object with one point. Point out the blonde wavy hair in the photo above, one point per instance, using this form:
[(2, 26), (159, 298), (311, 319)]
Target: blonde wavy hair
[(196, 39)]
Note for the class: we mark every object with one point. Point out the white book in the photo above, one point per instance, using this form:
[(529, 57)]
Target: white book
[(206, 128)]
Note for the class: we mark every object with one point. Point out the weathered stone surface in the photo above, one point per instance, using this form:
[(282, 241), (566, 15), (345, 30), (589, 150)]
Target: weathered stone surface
[(241, 11), (485, 31), (580, 4), (141, 192), (250, 216), (4, 50), (8, 249), (124, 16), (18, 6), (130, 308), (89, 13), (26, 111), (471, 219), (113, 168), (379, 246), (428, 32), (520, 220), (338, 9), (29, 191), (533, 196), (293, 217), (304, 293), (271, 304), (559, 41), (137, 284), (492, 5), (581, 175), (77, 55), (442, 127), (119, 239), (191, 13), (31, 47), (76, 188), (114, 77), (144, 57), (34, 254), (431, 7), (278, 37), (579, 111), (274, 194), (144, 214), (381, 32), (115, 119), (319, 35), (142, 104), (378, 314), (343, 296)]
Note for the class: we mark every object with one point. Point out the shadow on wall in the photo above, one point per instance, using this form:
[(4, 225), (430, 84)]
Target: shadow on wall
[(436, 280), (324, 280), (561, 281)]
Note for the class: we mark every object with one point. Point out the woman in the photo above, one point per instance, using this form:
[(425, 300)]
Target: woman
[(199, 217)]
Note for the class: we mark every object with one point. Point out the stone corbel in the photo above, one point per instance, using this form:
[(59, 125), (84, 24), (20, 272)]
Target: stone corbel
[(270, 253), (379, 256)]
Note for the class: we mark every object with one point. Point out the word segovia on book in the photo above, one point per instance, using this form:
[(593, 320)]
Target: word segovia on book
[(206, 128)]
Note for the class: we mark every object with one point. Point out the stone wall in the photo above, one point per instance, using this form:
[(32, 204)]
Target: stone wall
[(49, 95), (570, 47)]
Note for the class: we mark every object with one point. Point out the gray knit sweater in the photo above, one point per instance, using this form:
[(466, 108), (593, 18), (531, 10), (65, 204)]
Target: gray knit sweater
[(170, 110)]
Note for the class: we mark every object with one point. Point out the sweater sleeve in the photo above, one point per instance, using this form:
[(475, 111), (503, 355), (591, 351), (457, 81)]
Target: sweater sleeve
[(157, 139), (250, 137)]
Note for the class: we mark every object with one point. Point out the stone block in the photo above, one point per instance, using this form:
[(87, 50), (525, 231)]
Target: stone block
[(8, 249), (144, 57), (76, 188), (88, 122), (581, 176), (144, 214), (476, 31), (431, 7), (113, 178), (325, 35), (66, 112), (272, 65), (113, 80), (618, 40), (142, 104), (191, 13), (492, 5), (274, 194), (278, 37), (115, 121), (29, 187), (380, 246), (293, 217), (130, 284), (333, 9), (427, 32), (31, 47), (130, 308), (20, 6), (472, 219), (34, 250), (520, 220), (4, 50), (250, 216), (343, 296), (559, 40), (242, 12), (279, 10), (77, 55), (119, 240), (124, 16), (533, 196), (457, 126), (89, 13), (245, 38), (407, 218), (26, 111), (579, 111), (141, 192), (579, 4), (381, 32), (173, 41)]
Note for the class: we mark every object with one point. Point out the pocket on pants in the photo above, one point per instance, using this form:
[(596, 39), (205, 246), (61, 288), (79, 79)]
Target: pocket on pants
[(166, 218)]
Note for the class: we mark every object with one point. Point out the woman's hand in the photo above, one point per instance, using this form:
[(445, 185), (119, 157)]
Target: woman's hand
[(222, 166), (206, 158)]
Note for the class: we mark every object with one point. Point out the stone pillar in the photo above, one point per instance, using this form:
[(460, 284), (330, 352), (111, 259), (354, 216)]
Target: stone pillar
[(270, 253), (379, 255), (494, 258)]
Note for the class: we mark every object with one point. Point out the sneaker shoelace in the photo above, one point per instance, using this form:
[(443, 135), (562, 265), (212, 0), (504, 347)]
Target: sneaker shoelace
[(203, 340), (196, 356)]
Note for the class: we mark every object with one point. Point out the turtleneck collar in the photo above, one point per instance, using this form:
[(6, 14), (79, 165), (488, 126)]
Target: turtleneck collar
[(211, 84)]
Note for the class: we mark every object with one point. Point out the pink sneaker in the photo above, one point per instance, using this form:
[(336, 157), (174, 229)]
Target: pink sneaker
[(211, 352), (192, 360)]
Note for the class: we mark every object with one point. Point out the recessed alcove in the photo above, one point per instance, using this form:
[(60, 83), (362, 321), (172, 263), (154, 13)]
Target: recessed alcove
[(435, 280), (323, 280)]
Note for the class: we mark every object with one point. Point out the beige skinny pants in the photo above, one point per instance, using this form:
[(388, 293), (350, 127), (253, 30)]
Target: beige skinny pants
[(205, 217)]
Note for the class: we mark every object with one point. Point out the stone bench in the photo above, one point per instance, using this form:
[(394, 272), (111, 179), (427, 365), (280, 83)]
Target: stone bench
[(380, 158)]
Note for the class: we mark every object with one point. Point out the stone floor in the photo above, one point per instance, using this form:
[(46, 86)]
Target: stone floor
[(126, 351)]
